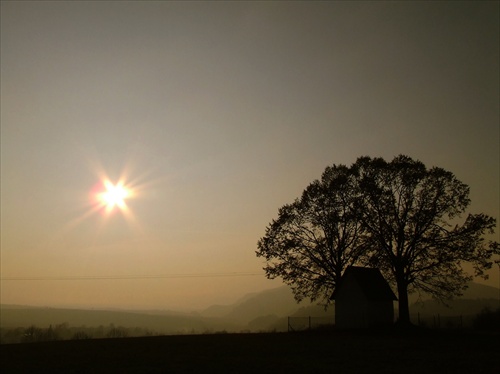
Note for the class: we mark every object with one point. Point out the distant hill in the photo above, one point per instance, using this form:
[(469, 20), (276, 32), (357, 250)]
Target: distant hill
[(480, 291), (474, 299), (474, 291), (278, 301), (262, 311), (463, 307), (14, 316), (267, 310), (249, 313)]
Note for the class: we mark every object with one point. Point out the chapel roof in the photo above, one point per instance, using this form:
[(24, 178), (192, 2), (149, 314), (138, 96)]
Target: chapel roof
[(371, 282)]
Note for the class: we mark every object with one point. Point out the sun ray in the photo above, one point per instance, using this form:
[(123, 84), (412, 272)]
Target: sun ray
[(111, 196)]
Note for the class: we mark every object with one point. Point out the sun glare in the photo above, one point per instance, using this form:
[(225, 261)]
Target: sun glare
[(110, 198), (113, 195)]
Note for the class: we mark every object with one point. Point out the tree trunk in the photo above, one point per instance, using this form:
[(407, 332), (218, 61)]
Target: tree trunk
[(404, 309)]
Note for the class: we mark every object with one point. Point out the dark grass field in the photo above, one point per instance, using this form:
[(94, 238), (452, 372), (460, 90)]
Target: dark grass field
[(307, 352)]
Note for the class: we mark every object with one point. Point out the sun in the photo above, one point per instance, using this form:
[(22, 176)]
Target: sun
[(110, 198), (114, 195)]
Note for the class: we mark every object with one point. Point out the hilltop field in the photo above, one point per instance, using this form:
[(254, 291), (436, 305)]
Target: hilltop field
[(306, 352)]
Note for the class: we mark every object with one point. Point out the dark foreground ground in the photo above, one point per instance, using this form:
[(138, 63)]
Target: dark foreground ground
[(310, 352)]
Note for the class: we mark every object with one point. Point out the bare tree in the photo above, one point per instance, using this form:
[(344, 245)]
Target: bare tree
[(316, 237), (410, 216), (399, 216)]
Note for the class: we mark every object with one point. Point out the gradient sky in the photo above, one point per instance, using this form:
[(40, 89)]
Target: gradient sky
[(217, 114)]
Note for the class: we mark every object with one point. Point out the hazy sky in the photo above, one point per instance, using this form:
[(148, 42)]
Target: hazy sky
[(216, 114)]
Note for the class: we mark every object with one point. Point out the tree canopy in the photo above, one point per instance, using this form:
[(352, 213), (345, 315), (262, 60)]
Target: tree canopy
[(398, 216), (316, 237)]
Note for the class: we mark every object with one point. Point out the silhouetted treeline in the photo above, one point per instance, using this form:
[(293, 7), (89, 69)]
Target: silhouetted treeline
[(62, 331)]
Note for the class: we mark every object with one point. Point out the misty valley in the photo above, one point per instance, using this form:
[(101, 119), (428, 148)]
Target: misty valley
[(266, 332), (272, 310)]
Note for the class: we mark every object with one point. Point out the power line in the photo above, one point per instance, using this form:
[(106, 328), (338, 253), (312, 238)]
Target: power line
[(119, 277)]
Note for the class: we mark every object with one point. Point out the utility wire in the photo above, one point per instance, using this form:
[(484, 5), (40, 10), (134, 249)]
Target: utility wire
[(118, 277)]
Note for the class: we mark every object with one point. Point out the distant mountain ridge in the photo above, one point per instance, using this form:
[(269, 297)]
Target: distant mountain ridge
[(278, 301), (266, 310), (480, 291)]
